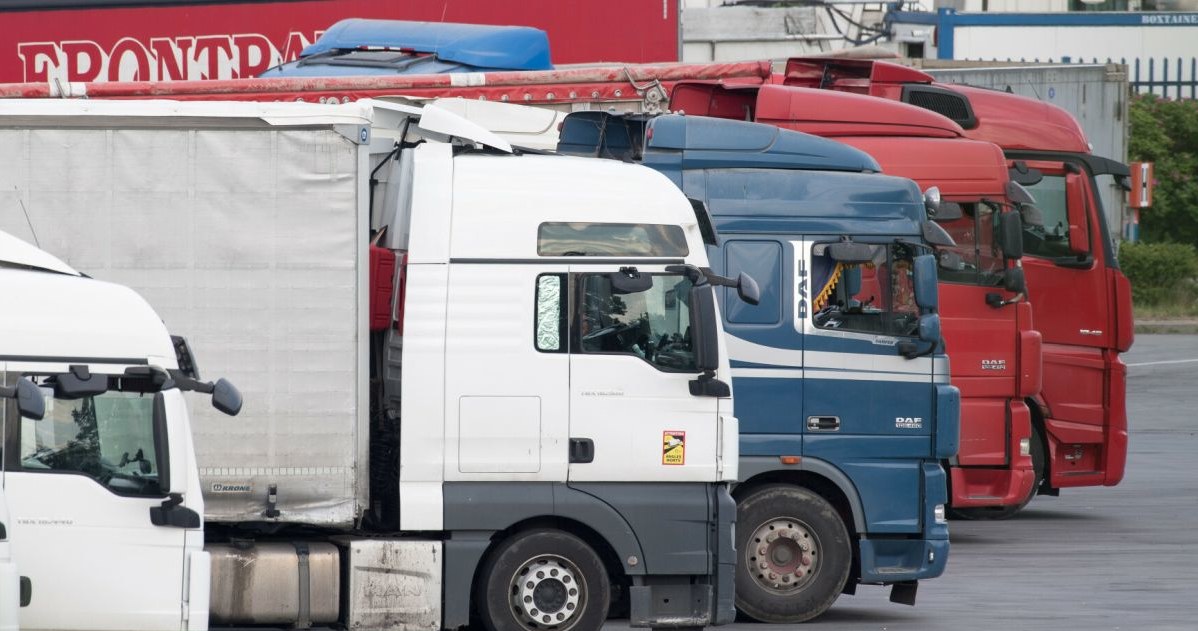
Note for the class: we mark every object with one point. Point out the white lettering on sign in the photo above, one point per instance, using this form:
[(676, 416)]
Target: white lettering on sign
[(237, 56), (1180, 18)]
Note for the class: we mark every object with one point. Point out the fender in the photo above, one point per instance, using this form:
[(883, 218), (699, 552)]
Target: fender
[(753, 466)]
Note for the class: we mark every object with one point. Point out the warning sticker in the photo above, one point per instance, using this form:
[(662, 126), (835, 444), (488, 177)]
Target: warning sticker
[(673, 447)]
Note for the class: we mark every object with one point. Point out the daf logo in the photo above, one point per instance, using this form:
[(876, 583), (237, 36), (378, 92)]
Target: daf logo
[(994, 364), (908, 422)]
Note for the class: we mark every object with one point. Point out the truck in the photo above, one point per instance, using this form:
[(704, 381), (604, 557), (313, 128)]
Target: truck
[(98, 470), (987, 317), (483, 386), (842, 383), (1081, 299)]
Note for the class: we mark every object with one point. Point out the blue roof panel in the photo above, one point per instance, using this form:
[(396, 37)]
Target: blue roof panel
[(482, 46)]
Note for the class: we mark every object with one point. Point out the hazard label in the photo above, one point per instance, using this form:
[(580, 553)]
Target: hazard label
[(673, 447)]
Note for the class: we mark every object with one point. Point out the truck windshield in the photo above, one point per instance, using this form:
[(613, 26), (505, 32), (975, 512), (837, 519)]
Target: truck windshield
[(873, 297), (981, 260), (107, 437), (653, 324)]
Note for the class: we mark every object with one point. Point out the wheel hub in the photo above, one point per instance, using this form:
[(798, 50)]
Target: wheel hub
[(546, 593), (782, 555)]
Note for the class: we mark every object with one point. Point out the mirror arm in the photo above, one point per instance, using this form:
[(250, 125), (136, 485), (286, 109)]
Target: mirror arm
[(187, 384)]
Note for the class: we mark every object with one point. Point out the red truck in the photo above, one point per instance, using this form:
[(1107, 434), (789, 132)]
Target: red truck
[(995, 350), (1081, 298)]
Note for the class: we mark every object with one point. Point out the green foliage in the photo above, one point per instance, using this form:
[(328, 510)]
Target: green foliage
[(1160, 273), (1166, 133)]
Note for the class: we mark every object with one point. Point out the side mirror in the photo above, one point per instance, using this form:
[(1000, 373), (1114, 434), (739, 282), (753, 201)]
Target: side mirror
[(226, 397), (1010, 235), (78, 382), (169, 464), (925, 282), (1013, 280), (1075, 209), (704, 334), (948, 211), (929, 328), (950, 261), (851, 252), (1016, 194), (931, 200), (30, 402), (747, 289)]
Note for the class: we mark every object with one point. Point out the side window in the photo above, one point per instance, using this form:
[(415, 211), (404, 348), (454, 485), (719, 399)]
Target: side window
[(652, 324), (108, 437), (874, 297), (1052, 239), (981, 261), (763, 261), (549, 330)]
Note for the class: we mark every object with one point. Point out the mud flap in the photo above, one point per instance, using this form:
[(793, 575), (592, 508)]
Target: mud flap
[(904, 593)]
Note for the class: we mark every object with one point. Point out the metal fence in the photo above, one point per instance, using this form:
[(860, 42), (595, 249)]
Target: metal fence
[(1168, 77)]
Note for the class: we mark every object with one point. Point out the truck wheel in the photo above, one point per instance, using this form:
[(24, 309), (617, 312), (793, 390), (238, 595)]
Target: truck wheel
[(543, 580), (794, 555), (1007, 512)]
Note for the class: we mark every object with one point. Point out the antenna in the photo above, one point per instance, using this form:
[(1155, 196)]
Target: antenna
[(28, 221)]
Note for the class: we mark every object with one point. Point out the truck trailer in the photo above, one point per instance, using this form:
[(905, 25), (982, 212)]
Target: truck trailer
[(482, 386)]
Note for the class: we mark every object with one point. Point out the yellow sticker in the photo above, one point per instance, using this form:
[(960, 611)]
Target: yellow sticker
[(673, 447)]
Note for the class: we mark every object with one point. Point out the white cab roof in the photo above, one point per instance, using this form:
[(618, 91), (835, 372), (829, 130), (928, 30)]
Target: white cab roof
[(54, 315), (500, 202), (15, 252)]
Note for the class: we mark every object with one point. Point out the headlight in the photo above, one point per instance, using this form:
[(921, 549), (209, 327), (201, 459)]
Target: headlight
[(1025, 446), (938, 514)]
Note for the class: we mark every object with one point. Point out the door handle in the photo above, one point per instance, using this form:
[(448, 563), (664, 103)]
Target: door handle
[(823, 423), (1094, 332), (582, 450)]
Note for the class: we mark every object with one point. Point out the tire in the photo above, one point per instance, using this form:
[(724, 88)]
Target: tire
[(996, 513), (816, 574), (543, 580)]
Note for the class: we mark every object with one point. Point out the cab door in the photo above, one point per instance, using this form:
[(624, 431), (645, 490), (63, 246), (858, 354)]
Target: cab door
[(981, 339), (632, 416), (867, 409), (1064, 261), (80, 485)]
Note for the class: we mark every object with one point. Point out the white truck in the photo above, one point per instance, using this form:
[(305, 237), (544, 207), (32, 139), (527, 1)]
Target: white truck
[(91, 388), (482, 385)]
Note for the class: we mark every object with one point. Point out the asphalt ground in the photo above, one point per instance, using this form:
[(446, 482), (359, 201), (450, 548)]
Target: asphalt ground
[(1123, 557)]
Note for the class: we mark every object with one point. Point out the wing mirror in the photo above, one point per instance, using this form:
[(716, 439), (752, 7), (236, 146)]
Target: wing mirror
[(1010, 235), (226, 397), (931, 200), (926, 295), (747, 289), (30, 402), (948, 211)]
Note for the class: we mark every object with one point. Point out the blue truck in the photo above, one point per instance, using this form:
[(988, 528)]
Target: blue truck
[(840, 375)]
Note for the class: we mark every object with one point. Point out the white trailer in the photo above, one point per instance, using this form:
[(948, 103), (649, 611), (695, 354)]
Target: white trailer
[(480, 385)]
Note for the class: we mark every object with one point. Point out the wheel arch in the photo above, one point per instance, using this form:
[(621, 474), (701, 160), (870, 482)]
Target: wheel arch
[(816, 475)]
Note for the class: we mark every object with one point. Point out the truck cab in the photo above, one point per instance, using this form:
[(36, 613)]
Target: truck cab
[(106, 478), (1081, 298), (987, 316), (841, 380)]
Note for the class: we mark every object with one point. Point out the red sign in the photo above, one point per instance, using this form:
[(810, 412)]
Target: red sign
[(230, 40)]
